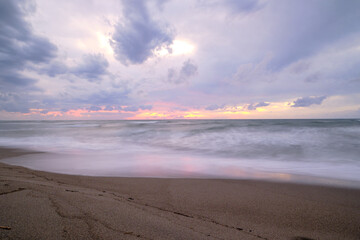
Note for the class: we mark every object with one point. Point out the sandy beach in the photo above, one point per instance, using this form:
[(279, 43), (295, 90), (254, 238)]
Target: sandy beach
[(41, 205)]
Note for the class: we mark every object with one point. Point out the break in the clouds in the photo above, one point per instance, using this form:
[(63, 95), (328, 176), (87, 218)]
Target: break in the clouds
[(138, 59)]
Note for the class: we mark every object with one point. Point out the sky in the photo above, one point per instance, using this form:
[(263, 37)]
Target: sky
[(179, 59)]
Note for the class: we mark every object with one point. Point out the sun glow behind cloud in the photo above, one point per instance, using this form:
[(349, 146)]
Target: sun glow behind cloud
[(104, 43), (178, 47)]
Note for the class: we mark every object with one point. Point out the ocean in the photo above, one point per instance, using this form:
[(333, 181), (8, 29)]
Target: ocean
[(287, 150)]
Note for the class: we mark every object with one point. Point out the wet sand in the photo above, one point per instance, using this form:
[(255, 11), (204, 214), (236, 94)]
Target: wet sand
[(41, 205)]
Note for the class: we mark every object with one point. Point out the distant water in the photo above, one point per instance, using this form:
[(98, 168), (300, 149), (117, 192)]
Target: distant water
[(191, 148)]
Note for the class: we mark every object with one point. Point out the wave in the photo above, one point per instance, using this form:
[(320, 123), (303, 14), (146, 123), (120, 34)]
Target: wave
[(270, 142)]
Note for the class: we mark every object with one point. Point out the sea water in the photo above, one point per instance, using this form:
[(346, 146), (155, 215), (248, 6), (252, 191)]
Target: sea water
[(271, 149)]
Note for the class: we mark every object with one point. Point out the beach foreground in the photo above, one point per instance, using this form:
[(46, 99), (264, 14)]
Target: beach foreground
[(41, 205)]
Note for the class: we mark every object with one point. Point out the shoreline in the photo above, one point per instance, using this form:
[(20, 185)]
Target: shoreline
[(45, 205), (8, 153)]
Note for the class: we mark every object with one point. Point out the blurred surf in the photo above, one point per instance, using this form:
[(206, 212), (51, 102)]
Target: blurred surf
[(212, 148)]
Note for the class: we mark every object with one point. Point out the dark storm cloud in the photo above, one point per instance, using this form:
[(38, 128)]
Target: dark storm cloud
[(135, 39), (308, 101), (255, 106), (188, 70), (19, 47)]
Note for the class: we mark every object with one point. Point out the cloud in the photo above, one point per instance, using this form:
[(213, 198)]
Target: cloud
[(214, 107), (308, 101), (146, 107), (14, 102), (92, 67), (130, 109), (313, 77), (302, 30), (161, 3), (255, 106), (245, 52), (135, 39), (109, 108), (94, 108), (93, 101), (188, 70), (234, 6), (136, 108), (104, 97), (171, 76), (19, 46), (243, 6), (253, 72), (300, 67), (10, 80), (54, 68)]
